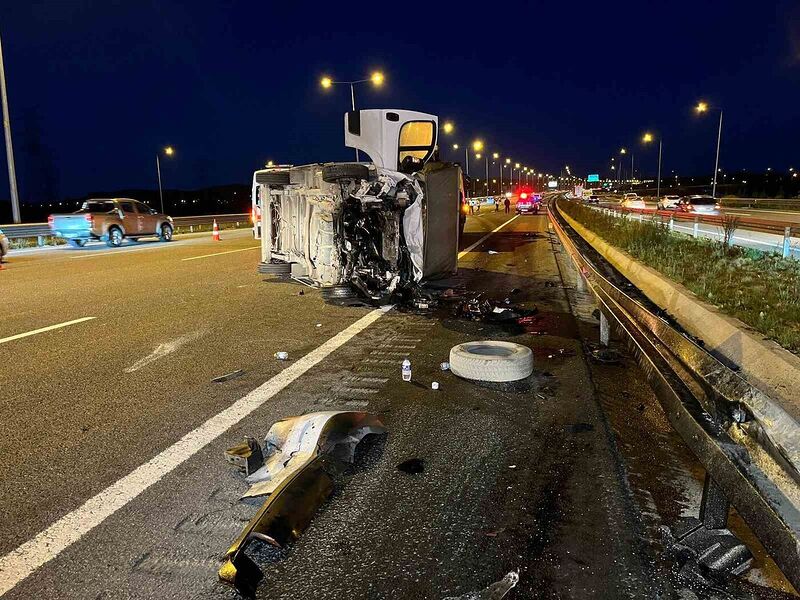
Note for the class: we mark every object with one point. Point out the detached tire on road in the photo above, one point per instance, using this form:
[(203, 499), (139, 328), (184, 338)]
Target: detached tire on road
[(274, 268), (333, 173), (491, 361)]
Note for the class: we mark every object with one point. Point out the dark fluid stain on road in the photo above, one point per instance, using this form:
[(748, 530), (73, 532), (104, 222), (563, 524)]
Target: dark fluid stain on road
[(412, 466), (581, 427)]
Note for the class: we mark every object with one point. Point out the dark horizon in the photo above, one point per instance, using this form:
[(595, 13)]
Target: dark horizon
[(96, 90)]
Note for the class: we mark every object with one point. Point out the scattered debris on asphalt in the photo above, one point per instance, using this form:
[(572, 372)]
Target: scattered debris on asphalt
[(495, 533), (606, 356), (247, 457), (512, 466), (493, 252), (319, 324), (434, 385), (445, 366), (301, 455), (494, 592), (476, 309), (412, 466), (282, 355), (228, 376), (291, 443)]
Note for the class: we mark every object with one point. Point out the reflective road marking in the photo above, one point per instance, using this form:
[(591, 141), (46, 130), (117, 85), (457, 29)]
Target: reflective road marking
[(219, 253), (469, 249), (43, 329)]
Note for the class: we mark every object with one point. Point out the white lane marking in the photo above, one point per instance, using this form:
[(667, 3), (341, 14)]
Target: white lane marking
[(470, 248), (163, 350), (46, 545), (127, 251), (218, 253), (43, 329)]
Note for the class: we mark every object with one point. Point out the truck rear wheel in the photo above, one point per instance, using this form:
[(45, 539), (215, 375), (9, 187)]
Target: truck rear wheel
[(273, 178), (335, 172), (274, 268), (114, 237)]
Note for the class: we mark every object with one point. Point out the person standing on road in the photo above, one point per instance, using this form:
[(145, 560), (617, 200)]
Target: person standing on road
[(496, 206), (507, 204), (471, 206)]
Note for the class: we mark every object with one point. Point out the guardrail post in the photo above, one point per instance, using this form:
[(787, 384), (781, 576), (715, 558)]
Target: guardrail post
[(40, 240), (191, 228), (696, 227), (605, 330), (671, 223), (787, 236)]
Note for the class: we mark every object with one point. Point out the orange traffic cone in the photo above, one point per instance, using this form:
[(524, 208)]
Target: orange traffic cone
[(215, 234)]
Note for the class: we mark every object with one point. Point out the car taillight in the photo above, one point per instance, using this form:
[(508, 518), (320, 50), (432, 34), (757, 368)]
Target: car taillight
[(523, 195), (50, 220), (89, 218)]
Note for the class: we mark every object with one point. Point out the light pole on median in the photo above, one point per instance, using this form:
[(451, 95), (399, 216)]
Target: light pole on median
[(168, 151), (647, 138), (703, 107), (12, 174), (376, 79), (619, 165)]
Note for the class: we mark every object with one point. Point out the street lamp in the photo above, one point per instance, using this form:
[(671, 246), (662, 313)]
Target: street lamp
[(647, 138), (168, 151), (703, 107), (448, 127), (376, 79), (619, 165), (12, 174)]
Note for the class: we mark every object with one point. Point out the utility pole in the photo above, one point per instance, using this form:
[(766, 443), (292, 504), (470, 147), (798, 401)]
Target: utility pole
[(716, 162), (12, 174)]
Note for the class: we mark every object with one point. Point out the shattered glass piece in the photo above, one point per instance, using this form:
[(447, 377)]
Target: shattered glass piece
[(494, 592)]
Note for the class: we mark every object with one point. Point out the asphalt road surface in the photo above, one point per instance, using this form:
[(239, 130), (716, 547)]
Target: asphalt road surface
[(114, 483)]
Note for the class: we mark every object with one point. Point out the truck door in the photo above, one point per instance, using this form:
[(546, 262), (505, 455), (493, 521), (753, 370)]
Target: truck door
[(129, 217), (146, 218)]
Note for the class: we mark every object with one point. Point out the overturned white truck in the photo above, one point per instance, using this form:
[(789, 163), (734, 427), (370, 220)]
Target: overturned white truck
[(370, 230)]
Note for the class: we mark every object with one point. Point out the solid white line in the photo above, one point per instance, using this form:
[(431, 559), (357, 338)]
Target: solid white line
[(43, 329), (219, 253), (469, 249), (111, 252), (45, 546)]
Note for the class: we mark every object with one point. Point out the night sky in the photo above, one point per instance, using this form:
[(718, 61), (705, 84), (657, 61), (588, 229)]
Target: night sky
[(96, 88)]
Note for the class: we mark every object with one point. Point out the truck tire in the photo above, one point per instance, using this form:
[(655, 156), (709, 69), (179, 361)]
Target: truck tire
[(77, 243), (274, 268), (114, 237), (273, 178), (338, 171), (165, 234), (338, 292), (491, 361)]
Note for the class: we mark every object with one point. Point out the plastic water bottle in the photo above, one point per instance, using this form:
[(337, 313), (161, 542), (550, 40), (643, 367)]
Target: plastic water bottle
[(406, 370)]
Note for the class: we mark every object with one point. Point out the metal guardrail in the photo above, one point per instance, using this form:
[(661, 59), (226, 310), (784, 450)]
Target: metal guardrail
[(786, 229), (41, 230), (746, 442)]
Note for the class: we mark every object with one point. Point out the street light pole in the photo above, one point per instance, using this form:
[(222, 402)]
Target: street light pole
[(12, 174), (716, 162), (658, 182), (353, 103), (466, 157), (160, 192), (486, 157)]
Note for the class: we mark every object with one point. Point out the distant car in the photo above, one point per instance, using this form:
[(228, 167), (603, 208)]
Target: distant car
[(668, 202), (703, 205), (528, 204), (111, 220), (592, 199), (631, 200), (4, 245)]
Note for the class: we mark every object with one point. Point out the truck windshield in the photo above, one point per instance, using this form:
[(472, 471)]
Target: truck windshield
[(98, 207)]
